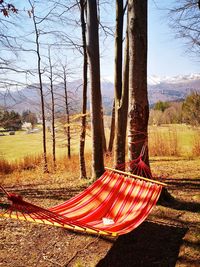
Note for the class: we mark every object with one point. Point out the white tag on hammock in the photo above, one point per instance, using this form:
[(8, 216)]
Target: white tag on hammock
[(107, 221)]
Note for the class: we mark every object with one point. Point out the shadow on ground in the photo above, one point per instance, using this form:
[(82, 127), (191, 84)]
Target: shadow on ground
[(178, 204), (53, 193), (147, 246)]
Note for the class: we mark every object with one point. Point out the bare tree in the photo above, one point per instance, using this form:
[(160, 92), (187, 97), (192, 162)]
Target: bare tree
[(67, 128), (84, 97), (185, 22), (7, 8), (37, 35), (52, 109), (96, 101), (9, 22)]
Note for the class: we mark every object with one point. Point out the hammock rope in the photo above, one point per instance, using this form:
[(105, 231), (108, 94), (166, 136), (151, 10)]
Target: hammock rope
[(113, 205)]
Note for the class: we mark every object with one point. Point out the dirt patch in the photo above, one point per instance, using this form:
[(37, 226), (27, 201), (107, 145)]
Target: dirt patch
[(151, 244), (170, 237)]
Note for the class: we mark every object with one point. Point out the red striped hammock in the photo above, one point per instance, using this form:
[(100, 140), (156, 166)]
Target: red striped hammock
[(113, 205)]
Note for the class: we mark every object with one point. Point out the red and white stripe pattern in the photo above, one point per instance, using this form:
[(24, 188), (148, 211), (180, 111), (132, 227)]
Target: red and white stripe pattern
[(112, 205)]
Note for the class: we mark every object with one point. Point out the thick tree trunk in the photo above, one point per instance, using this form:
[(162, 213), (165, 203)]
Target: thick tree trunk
[(138, 113), (118, 51), (118, 78), (123, 109), (96, 102), (121, 89), (84, 104)]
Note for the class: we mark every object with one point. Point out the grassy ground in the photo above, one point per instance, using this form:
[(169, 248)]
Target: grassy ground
[(20, 145), (173, 140), (163, 140)]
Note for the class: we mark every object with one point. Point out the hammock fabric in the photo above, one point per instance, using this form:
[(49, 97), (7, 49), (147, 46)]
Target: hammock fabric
[(113, 205)]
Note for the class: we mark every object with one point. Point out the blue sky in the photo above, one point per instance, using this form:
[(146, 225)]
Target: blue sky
[(166, 54)]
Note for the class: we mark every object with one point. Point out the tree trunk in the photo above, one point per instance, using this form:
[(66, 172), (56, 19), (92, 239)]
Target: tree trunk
[(84, 104), (103, 132), (41, 92), (53, 127), (121, 91), (112, 129), (67, 129), (96, 101), (52, 113), (138, 113), (123, 109)]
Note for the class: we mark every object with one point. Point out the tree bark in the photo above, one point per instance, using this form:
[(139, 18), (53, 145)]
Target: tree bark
[(41, 90), (96, 101), (103, 132), (67, 129), (112, 129), (84, 104), (138, 113), (123, 110), (121, 89), (52, 113)]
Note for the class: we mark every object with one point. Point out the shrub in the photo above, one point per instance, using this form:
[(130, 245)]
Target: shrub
[(191, 109), (163, 144), (196, 145), (6, 167)]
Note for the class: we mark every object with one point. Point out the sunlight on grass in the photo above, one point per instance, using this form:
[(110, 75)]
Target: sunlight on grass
[(175, 167), (169, 143), (20, 145), (173, 140), (168, 140)]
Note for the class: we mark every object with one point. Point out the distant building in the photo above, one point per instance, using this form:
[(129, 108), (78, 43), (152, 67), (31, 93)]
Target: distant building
[(26, 126)]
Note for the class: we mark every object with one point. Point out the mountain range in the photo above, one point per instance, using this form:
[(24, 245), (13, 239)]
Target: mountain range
[(172, 88), (159, 89)]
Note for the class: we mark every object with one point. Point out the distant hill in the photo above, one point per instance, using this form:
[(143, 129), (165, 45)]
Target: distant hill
[(29, 97), (172, 88), (163, 89)]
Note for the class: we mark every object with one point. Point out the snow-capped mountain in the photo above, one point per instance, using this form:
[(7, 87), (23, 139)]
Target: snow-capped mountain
[(155, 80), (159, 89), (172, 88)]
